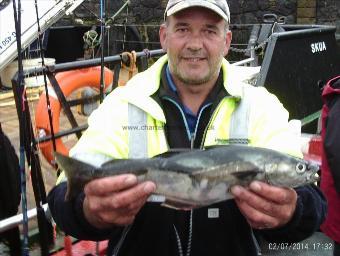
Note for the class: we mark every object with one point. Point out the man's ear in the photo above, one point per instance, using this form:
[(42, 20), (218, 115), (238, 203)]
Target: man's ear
[(228, 39), (163, 37)]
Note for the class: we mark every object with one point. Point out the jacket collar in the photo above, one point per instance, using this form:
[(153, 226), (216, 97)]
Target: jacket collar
[(139, 89)]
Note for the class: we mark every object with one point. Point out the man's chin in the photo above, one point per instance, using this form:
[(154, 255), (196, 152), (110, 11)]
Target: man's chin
[(194, 80)]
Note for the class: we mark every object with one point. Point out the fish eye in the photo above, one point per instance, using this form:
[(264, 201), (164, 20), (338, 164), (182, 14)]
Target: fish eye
[(300, 168)]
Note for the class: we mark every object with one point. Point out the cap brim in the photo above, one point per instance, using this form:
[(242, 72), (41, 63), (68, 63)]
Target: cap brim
[(184, 5)]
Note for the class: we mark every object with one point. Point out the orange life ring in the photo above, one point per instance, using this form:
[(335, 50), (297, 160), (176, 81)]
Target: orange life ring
[(69, 81)]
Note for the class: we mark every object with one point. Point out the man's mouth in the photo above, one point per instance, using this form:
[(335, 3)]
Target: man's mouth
[(193, 59)]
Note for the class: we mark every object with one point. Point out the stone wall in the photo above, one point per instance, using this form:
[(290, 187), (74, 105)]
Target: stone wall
[(243, 11), (248, 12), (328, 12), (306, 12), (150, 12)]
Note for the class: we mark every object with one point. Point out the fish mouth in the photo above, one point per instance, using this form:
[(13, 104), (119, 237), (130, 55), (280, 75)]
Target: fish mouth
[(314, 177), (314, 170)]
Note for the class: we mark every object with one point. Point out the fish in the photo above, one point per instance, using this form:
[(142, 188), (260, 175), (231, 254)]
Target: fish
[(197, 178)]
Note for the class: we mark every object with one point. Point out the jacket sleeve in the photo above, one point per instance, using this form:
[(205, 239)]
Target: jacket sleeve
[(69, 217), (331, 143), (105, 138), (107, 132), (310, 212), (271, 129)]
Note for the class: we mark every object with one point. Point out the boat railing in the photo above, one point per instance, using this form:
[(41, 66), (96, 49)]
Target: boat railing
[(16, 220)]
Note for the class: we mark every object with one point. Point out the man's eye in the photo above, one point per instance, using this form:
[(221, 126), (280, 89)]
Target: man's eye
[(210, 32), (182, 30)]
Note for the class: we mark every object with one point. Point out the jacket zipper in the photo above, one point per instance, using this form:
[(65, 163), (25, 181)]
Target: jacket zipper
[(256, 243), (183, 116), (121, 240), (191, 137), (210, 121)]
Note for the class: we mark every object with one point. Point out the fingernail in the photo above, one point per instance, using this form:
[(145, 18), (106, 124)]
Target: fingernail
[(130, 180), (149, 187), (255, 186), (236, 190)]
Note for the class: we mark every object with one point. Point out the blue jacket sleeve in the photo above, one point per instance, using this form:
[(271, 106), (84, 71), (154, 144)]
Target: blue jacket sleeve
[(310, 212), (69, 217)]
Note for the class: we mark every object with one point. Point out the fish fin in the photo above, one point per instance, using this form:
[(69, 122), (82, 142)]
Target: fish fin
[(175, 151), (114, 160), (178, 205), (67, 163), (183, 207), (73, 169), (137, 167), (215, 146), (245, 175)]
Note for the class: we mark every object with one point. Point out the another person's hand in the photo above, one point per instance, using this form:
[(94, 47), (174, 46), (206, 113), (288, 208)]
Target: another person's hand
[(115, 200), (265, 206)]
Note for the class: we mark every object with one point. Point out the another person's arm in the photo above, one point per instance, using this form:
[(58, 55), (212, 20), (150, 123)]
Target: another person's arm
[(332, 142)]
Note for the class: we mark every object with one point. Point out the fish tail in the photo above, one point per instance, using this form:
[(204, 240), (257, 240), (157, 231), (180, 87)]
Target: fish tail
[(78, 173)]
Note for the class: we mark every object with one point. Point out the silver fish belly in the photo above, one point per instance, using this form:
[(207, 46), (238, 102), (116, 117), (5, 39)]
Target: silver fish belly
[(198, 178)]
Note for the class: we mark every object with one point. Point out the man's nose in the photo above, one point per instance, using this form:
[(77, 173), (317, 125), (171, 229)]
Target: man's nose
[(195, 42)]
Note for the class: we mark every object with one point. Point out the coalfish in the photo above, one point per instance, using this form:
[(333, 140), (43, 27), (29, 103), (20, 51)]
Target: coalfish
[(197, 178)]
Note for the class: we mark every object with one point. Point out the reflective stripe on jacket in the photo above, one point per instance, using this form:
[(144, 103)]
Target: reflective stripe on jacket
[(112, 135)]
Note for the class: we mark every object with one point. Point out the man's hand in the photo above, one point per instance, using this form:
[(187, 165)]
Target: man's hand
[(115, 200), (265, 206)]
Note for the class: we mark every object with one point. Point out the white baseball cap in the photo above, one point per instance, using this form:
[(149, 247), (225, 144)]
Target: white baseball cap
[(218, 6)]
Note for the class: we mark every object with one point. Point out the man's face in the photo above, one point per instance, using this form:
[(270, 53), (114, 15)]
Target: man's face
[(196, 40)]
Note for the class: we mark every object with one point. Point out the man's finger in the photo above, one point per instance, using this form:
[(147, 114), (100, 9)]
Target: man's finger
[(275, 194), (123, 199), (259, 203), (108, 185), (256, 219), (116, 218)]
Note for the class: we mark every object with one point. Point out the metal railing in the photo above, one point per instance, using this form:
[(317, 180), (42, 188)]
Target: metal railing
[(16, 220)]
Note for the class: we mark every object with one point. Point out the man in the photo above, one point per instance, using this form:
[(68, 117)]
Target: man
[(189, 98), (330, 174)]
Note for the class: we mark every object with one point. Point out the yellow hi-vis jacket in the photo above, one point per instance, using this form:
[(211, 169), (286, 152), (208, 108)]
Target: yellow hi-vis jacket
[(116, 131)]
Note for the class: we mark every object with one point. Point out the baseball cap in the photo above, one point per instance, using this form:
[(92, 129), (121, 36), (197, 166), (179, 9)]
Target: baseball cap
[(218, 6)]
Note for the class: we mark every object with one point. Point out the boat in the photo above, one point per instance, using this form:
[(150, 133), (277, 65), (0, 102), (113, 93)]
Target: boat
[(317, 42)]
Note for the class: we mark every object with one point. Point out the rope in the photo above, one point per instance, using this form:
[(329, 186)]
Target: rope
[(45, 228), (179, 243), (45, 80), (126, 20), (17, 20), (112, 18), (129, 60), (259, 46), (91, 38), (102, 41)]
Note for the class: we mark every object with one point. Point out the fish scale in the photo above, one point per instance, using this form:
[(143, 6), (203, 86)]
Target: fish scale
[(191, 179)]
